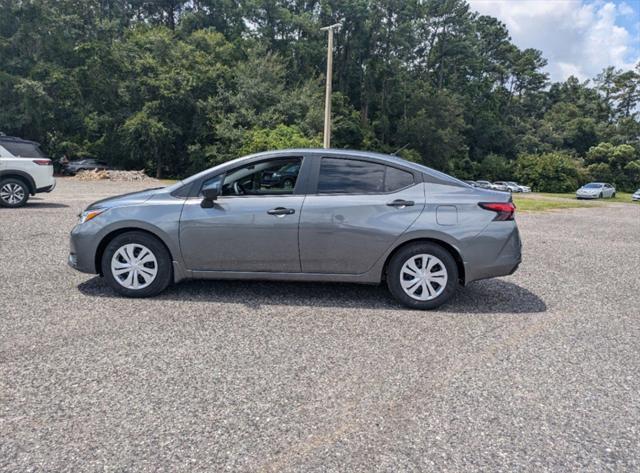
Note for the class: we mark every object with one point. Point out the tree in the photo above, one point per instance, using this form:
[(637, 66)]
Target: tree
[(281, 137), (196, 80), (549, 172)]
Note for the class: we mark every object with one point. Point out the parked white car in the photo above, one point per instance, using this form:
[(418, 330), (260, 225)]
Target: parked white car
[(520, 187), (500, 186), (511, 186), (24, 170), (596, 190), (636, 196)]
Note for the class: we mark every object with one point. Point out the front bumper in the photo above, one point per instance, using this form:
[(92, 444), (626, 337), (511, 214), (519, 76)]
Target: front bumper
[(83, 249), (46, 189), (587, 196)]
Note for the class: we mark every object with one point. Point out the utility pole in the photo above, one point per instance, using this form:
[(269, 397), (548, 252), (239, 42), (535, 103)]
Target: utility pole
[(327, 98)]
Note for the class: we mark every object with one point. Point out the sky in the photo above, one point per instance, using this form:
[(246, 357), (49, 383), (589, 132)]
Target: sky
[(577, 37)]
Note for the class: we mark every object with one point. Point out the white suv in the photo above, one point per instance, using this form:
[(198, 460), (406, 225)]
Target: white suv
[(24, 171)]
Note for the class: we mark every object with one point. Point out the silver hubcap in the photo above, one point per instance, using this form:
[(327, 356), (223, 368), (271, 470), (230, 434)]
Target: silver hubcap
[(423, 277), (12, 193), (134, 266)]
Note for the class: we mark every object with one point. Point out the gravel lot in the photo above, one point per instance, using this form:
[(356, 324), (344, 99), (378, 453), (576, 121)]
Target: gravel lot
[(537, 371)]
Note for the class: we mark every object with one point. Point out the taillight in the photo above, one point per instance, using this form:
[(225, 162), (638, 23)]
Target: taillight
[(43, 162), (504, 210)]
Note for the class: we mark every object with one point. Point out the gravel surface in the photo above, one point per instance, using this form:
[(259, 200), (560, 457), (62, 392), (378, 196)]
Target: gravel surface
[(539, 371)]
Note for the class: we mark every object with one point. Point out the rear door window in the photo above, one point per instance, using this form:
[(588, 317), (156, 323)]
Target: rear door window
[(351, 176)]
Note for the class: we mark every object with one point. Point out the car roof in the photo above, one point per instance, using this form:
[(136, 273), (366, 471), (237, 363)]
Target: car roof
[(333, 152)]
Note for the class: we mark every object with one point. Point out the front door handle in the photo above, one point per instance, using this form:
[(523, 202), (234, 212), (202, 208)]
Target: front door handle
[(281, 211), (401, 204)]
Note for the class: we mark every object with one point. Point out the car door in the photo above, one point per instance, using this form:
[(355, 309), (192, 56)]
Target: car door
[(609, 190), (359, 209), (252, 226)]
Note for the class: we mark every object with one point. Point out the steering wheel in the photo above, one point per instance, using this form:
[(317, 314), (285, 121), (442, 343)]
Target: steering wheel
[(238, 189)]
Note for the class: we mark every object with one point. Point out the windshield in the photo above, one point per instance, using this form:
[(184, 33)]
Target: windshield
[(593, 185)]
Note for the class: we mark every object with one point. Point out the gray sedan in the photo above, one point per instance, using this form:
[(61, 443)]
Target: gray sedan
[(350, 217)]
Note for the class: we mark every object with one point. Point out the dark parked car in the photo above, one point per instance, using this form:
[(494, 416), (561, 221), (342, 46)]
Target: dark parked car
[(83, 165), (285, 177), (351, 217)]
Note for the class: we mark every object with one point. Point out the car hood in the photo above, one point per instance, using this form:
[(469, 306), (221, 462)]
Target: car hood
[(124, 199)]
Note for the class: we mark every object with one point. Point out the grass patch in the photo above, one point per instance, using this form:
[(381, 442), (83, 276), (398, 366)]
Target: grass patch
[(549, 201), (536, 204)]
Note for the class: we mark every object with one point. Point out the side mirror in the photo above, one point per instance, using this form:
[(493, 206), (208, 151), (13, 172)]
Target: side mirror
[(210, 195)]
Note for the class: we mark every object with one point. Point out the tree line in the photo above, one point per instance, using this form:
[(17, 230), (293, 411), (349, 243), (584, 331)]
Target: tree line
[(177, 86)]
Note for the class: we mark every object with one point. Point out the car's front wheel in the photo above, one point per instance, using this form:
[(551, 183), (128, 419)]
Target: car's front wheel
[(136, 264), (422, 276), (13, 193)]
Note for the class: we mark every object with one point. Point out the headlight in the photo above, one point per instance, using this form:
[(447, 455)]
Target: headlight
[(90, 215)]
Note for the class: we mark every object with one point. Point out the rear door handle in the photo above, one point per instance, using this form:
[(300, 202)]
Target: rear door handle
[(401, 204), (281, 211)]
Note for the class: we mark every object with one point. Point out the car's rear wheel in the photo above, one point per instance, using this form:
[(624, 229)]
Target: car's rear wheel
[(287, 184), (13, 193), (422, 276), (136, 264)]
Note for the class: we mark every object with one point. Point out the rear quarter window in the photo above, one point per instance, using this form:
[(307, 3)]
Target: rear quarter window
[(397, 179), (23, 150)]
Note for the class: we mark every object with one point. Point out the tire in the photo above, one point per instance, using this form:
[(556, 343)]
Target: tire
[(438, 291), (613, 196), (288, 184), (600, 196), (14, 193), (117, 258)]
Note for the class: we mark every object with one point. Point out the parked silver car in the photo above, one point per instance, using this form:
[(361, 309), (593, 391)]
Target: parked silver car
[(350, 217), (636, 196), (596, 190), (510, 186)]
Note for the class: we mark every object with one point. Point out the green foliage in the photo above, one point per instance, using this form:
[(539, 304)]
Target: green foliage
[(281, 137), (495, 168), (616, 164), (549, 172), (177, 86)]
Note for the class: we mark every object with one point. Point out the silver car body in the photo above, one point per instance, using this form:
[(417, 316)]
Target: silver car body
[(596, 190), (325, 237), (636, 195), (510, 186)]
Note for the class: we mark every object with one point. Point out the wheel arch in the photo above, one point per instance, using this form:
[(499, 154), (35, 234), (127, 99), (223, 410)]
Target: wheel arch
[(106, 239), (447, 246), (23, 176)]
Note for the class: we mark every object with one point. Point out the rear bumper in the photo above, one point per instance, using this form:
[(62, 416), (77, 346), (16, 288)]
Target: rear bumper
[(495, 252)]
